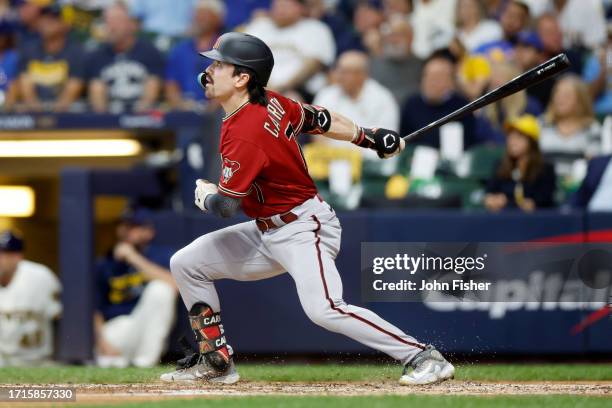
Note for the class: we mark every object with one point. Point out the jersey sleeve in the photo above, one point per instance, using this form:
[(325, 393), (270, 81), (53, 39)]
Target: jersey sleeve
[(296, 113), (241, 163)]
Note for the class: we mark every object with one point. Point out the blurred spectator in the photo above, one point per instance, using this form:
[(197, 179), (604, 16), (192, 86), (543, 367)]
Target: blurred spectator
[(528, 53), (569, 123), (582, 21), (302, 47), (473, 71), (345, 36), (51, 70), (550, 34), (595, 192), (125, 72), (598, 74), (437, 98), (85, 18), (538, 7), (511, 107), (495, 8), (167, 20), (432, 22), (29, 15), (8, 65), (239, 12), (357, 96), (401, 8), (397, 68), (513, 20), (523, 179), (136, 296), (29, 302), (473, 28), (184, 62), (368, 17)]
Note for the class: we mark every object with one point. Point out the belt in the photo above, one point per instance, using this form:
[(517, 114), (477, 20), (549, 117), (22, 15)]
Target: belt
[(267, 224)]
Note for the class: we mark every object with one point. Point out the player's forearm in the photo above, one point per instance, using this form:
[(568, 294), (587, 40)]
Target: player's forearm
[(71, 93), (97, 96), (151, 270), (150, 93), (222, 206), (342, 128), (28, 91)]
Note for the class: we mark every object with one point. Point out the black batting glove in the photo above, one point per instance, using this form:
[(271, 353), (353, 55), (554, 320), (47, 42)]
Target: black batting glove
[(387, 143)]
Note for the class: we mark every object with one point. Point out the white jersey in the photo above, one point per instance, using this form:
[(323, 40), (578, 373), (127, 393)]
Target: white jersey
[(292, 45), (375, 107), (27, 307)]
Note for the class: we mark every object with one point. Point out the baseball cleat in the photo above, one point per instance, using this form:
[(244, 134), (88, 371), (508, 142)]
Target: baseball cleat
[(203, 371), (427, 367)]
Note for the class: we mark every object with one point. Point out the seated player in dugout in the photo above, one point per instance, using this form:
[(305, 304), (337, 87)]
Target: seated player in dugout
[(29, 302), (136, 296), (293, 230)]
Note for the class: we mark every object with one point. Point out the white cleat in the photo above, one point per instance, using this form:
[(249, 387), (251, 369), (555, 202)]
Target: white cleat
[(428, 367), (202, 371)]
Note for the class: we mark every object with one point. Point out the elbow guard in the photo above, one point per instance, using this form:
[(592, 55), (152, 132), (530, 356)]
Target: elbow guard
[(317, 120)]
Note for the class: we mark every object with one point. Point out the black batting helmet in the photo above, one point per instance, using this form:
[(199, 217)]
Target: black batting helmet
[(244, 50)]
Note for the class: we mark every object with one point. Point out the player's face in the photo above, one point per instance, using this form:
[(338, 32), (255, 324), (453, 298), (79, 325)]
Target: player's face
[(8, 262), (220, 81)]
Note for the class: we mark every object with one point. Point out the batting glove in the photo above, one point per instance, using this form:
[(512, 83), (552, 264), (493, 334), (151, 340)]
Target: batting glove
[(203, 190), (387, 143)]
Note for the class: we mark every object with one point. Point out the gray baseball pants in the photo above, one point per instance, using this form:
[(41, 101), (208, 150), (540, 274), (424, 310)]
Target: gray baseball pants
[(306, 249)]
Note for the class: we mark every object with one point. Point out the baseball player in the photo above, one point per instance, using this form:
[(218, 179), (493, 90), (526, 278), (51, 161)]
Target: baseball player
[(293, 230)]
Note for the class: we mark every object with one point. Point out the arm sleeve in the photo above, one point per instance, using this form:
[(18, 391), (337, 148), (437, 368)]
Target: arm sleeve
[(242, 162), (221, 205)]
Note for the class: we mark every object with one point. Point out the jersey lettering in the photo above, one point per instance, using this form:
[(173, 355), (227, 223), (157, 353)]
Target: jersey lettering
[(275, 115)]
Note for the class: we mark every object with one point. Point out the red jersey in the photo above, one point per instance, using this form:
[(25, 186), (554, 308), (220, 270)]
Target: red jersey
[(263, 163)]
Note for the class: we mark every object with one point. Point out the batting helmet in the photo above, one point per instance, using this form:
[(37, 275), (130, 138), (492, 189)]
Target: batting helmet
[(244, 50)]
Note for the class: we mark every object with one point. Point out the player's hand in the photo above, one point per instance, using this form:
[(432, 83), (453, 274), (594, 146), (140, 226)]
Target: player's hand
[(387, 143), (203, 189), (124, 251)]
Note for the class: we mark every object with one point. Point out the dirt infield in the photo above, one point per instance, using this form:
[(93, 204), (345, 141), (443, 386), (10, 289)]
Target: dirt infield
[(107, 393), (121, 393)]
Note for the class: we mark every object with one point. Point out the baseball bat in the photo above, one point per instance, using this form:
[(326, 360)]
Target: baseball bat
[(534, 76)]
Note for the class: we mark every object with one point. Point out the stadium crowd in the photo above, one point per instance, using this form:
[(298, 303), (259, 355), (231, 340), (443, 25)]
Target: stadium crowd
[(397, 64)]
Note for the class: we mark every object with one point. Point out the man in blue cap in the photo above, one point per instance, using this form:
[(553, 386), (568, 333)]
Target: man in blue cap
[(134, 284), (29, 295)]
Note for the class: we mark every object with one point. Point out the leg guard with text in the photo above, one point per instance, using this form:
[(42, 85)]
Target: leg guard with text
[(209, 335)]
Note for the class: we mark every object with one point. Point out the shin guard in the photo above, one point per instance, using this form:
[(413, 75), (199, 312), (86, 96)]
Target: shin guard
[(209, 335)]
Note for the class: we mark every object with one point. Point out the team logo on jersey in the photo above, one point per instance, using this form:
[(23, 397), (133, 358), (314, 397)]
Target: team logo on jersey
[(230, 167)]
